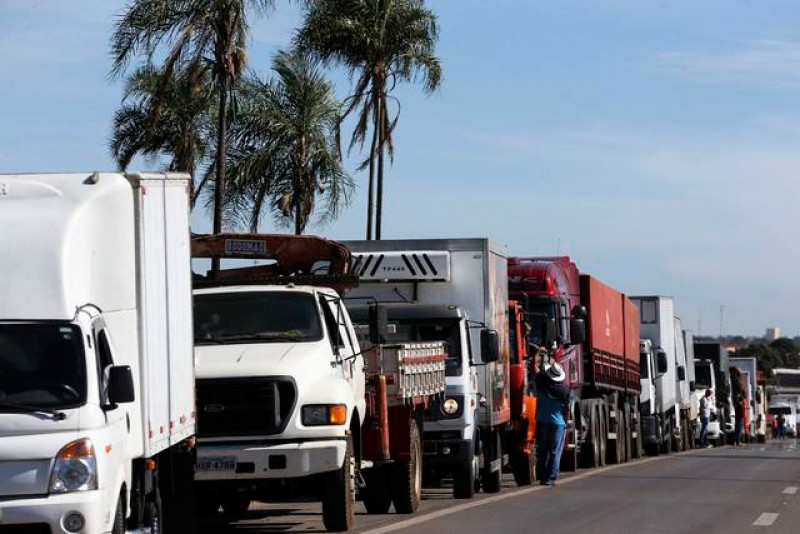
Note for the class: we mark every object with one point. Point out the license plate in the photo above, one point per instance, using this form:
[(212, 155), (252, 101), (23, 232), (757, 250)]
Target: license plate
[(217, 463)]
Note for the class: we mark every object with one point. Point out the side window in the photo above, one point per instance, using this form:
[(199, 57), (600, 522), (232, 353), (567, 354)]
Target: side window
[(331, 324), (649, 312), (104, 360), (563, 318)]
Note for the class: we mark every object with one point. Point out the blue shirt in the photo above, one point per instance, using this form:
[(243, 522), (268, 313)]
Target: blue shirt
[(551, 399)]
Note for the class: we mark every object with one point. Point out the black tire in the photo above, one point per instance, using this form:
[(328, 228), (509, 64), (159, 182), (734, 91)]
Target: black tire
[(376, 497), (464, 476), (637, 442), (235, 506), (615, 453), (652, 449), (119, 517), (523, 466), (602, 415), (666, 437), (590, 451), (492, 481), (339, 494), (206, 504), (405, 483)]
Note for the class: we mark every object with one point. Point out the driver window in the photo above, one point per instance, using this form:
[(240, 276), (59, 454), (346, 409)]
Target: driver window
[(331, 325), (104, 361)]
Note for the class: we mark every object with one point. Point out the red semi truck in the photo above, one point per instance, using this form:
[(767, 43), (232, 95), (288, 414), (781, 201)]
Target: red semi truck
[(592, 330)]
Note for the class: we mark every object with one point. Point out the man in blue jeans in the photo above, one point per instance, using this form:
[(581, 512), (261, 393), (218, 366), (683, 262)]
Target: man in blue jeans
[(552, 397)]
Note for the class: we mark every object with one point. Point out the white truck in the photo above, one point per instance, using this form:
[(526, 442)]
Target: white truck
[(666, 428), (288, 398), (455, 291), (97, 415), (705, 379)]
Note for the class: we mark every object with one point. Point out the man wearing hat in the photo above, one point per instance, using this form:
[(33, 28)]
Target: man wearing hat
[(552, 398)]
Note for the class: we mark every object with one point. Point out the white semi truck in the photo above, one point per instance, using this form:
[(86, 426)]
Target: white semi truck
[(97, 415), (455, 291), (705, 379)]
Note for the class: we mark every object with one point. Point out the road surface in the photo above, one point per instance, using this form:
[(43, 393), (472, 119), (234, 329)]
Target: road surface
[(750, 489)]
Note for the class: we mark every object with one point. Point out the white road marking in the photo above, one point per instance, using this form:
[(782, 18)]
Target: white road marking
[(503, 496), (790, 490), (765, 520)]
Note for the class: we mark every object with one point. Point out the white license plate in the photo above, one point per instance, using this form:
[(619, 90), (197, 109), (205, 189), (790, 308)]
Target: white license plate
[(217, 463)]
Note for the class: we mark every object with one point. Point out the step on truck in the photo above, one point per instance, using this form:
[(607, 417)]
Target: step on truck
[(97, 414), (289, 401), (455, 291), (668, 427), (592, 330)]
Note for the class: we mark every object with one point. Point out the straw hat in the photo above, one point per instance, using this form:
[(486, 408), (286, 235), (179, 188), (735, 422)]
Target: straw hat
[(555, 372)]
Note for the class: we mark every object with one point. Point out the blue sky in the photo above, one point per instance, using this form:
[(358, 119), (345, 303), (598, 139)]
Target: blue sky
[(656, 142)]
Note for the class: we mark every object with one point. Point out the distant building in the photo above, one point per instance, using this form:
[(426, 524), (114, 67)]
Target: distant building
[(773, 333)]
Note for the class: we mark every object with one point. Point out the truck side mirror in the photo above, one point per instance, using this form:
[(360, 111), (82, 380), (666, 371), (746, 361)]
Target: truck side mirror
[(378, 324), (120, 385), (681, 372), (577, 330), (692, 386), (579, 312), (490, 345), (662, 365)]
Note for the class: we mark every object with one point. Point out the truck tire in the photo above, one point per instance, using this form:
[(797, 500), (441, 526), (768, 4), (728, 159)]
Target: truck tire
[(119, 517), (405, 483), (207, 504), (636, 442), (666, 437), (602, 415), (464, 479), (492, 481), (376, 497), (591, 447), (523, 466), (339, 494), (616, 447), (235, 506)]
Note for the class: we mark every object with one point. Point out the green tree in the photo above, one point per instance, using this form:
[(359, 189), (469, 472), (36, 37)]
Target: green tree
[(380, 43), (191, 34), (180, 127), (285, 146)]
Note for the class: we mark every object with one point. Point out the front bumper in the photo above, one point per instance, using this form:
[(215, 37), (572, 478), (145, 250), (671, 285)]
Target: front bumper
[(447, 451), (97, 510), (274, 461)]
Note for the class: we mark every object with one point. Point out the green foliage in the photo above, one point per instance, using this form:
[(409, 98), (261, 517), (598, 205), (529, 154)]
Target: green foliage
[(380, 43), (782, 352), (285, 147)]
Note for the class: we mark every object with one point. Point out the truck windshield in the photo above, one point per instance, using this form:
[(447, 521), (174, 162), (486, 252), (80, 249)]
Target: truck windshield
[(537, 313), (41, 366), (644, 367), (432, 330), (702, 376), (256, 316)]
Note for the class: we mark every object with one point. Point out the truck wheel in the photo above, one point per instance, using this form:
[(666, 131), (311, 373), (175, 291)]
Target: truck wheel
[(406, 477), (235, 506), (376, 494), (523, 465), (591, 447), (206, 504), (602, 415), (492, 481), (339, 494), (119, 517), (464, 477), (616, 447), (636, 442)]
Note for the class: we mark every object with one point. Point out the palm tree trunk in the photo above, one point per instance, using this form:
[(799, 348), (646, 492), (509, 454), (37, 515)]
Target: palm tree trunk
[(221, 149), (371, 191), (381, 142)]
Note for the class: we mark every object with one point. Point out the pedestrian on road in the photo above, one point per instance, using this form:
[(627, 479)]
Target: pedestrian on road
[(705, 415), (781, 420), (738, 414), (552, 398)]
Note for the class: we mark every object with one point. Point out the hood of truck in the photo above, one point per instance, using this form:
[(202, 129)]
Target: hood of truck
[(259, 359), (28, 447)]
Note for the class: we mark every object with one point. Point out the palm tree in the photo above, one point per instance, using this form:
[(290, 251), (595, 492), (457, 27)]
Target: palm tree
[(285, 146), (381, 43), (180, 129), (202, 34)]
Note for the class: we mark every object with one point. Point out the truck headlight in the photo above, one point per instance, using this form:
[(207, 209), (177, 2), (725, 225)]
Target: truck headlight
[(324, 414), (450, 406), (75, 468)]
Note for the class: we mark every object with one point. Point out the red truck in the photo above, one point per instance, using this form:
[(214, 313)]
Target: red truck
[(592, 330)]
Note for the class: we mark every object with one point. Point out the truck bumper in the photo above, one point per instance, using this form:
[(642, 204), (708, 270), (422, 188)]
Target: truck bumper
[(447, 451), (282, 460), (96, 507)]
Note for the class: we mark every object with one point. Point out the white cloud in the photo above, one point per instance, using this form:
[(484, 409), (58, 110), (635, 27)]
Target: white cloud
[(761, 63)]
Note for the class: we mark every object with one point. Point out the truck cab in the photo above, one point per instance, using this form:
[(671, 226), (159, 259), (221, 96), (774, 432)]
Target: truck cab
[(280, 385), (706, 378)]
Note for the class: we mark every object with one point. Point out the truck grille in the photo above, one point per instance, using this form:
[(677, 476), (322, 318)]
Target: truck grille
[(244, 406)]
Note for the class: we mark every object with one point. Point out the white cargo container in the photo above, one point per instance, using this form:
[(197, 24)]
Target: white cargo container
[(96, 366)]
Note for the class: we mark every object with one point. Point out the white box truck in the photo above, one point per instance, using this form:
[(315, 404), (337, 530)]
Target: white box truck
[(96, 390), (456, 291)]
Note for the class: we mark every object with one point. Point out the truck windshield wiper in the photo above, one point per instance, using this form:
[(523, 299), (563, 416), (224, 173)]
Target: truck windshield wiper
[(24, 408), (244, 336)]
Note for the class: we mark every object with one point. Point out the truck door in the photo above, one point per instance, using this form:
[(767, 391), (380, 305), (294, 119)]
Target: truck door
[(343, 342)]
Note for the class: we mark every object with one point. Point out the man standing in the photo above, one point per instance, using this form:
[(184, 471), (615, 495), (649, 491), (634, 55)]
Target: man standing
[(705, 415), (552, 397), (738, 414)]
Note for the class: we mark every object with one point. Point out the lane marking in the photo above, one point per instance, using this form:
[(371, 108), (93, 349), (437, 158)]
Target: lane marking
[(509, 495), (790, 490), (765, 520)]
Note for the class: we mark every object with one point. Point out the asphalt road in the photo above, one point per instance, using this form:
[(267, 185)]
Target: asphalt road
[(755, 488)]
